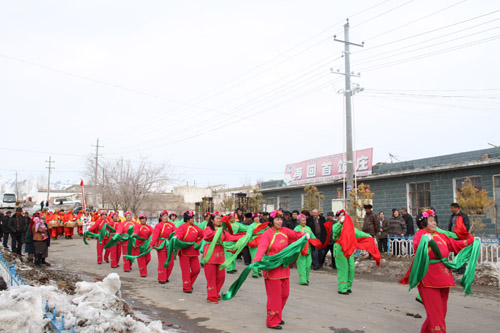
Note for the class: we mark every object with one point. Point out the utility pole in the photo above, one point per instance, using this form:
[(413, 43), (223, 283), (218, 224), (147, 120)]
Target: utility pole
[(50, 167), (96, 168), (348, 118), (17, 191)]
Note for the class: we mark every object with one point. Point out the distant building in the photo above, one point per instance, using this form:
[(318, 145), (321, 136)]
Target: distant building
[(428, 182)]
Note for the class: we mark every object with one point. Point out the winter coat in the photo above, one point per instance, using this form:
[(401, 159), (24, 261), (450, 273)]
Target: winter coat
[(6, 224), (322, 235), (371, 224), (397, 226), (384, 225), (410, 229), (17, 224), (451, 224)]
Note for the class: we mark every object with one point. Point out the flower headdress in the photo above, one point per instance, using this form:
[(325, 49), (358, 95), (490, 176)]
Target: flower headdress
[(216, 213), (255, 215), (143, 216), (189, 213), (300, 217), (428, 212), (275, 213), (128, 213), (163, 213)]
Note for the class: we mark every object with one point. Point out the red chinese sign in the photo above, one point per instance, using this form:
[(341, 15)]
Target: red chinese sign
[(327, 168)]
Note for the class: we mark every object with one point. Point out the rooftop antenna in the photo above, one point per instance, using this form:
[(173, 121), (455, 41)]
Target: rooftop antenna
[(393, 157)]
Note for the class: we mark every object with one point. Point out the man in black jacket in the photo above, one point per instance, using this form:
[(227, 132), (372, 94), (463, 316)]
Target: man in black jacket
[(410, 229), (456, 212), (317, 225), (18, 227), (6, 229)]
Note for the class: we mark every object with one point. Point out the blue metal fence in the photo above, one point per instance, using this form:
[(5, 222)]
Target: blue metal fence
[(14, 278), (57, 324)]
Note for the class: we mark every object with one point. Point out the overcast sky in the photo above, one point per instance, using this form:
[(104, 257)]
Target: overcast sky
[(229, 92)]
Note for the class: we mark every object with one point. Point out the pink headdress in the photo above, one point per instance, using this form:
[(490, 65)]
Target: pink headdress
[(143, 216)]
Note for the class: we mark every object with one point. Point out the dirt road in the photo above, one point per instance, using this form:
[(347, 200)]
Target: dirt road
[(374, 305)]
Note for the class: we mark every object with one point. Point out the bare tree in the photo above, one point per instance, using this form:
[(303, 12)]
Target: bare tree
[(128, 185)]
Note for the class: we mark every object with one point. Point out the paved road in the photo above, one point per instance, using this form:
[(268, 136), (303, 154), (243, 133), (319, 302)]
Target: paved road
[(374, 306)]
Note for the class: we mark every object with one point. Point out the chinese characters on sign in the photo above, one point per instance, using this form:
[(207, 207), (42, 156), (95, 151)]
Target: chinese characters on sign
[(328, 168)]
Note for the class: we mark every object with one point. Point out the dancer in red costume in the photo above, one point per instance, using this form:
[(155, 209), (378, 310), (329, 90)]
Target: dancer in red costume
[(96, 228), (144, 231), (276, 280), (161, 233), (115, 251), (213, 259), (435, 285), (189, 256), (123, 229)]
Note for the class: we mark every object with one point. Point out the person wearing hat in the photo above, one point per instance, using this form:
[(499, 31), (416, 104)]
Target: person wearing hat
[(346, 241), (123, 230), (17, 227), (304, 260), (96, 228), (143, 232), (189, 256), (277, 280), (371, 224), (161, 233), (116, 250), (214, 256)]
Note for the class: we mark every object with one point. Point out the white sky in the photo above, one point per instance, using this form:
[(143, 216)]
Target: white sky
[(231, 91)]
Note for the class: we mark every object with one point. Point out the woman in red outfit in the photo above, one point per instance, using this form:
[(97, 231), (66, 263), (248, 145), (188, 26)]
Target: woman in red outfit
[(276, 280), (115, 251), (435, 286), (122, 230), (215, 277), (96, 228), (160, 236), (144, 231), (189, 256)]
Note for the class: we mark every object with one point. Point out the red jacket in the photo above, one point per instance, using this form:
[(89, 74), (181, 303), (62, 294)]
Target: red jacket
[(189, 233), (162, 229), (438, 275), (143, 231), (97, 226), (218, 256), (272, 242), (123, 228)]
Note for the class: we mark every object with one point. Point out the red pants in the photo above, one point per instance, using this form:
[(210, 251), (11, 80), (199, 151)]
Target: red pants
[(53, 233), (68, 231), (277, 293), (164, 272), (116, 252), (80, 229), (215, 279), (190, 268), (143, 262), (435, 303), (60, 230), (127, 265), (100, 248)]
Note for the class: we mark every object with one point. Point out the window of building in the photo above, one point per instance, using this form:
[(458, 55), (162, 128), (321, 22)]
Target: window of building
[(284, 202), (419, 195), (269, 204), (460, 182)]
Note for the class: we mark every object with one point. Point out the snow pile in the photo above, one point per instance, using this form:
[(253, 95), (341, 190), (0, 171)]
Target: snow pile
[(96, 307)]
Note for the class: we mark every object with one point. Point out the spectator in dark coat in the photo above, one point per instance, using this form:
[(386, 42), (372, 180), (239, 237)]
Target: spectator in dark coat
[(397, 226), (456, 212), (293, 219), (410, 229), (6, 229), (371, 223), (316, 223), (384, 231), (17, 226)]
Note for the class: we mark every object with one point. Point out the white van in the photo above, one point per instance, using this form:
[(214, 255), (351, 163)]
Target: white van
[(8, 200)]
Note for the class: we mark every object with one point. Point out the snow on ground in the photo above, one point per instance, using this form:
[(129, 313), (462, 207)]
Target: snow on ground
[(95, 307)]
